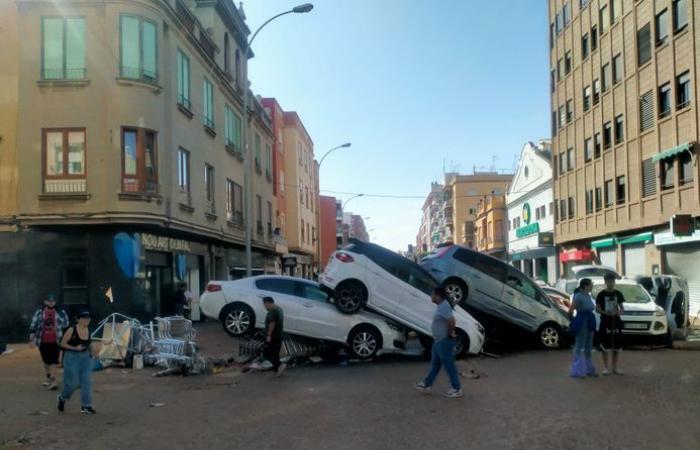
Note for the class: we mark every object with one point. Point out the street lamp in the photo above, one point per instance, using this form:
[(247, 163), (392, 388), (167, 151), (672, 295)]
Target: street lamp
[(248, 169), (348, 200), (346, 145)]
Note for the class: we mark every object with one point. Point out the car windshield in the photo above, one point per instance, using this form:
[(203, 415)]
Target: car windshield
[(633, 293)]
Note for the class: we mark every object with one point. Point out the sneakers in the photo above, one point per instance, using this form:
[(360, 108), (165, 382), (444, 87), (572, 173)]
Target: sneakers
[(52, 387), (280, 369), (61, 403), (454, 393), (87, 410), (606, 372), (618, 372), (47, 383), (420, 386)]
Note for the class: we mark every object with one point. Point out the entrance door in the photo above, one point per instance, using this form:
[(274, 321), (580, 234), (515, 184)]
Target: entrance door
[(608, 257), (159, 292)]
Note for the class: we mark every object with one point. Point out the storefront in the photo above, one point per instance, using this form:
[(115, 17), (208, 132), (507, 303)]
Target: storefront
[(573, 257), (626, 254), (538, 262), (681, 257)]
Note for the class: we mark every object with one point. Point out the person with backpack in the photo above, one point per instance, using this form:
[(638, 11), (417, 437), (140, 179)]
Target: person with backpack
[(46, 332), (583, 326)]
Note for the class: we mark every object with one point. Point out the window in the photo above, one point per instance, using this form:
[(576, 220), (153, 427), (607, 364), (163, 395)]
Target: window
[(567, 62), (648, 177), (667, 173), (661, 27), (570, 158), (598, 199), (569, 111), (227, 58), (234, 202), (257, 151), (589, 201), (559, 69), (553, 81), (566, 13), (183, 169), (74, 279), (562, 163), (238, 66), (665, 100), (587, 149), (604, 19), (615, 10), (139, 160), (685, 163), (537, 214), (586, 98), (562, 209), (621, 190), (303, 238), (605, 76), (63, 48), (562, 117), (269, 218), (311, 292), (518, 281), (208, 104), (596, 145), (609, 193), (584, 46), (490, 267), (644, 45), (554, 123), (594, 38), (232, 129), (551, 36), (268, 160), (607, 135), (646, 111), (683, 90), (278, 285), (572, 208), (183, 80), (680, 15), (619, 129), (209, 182), (617, 70), (138, 48), (596, 91), (559, 23), (64, 156), (258, 215)]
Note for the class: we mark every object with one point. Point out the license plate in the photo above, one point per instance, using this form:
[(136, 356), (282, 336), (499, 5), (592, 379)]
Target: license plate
[(635, 326)]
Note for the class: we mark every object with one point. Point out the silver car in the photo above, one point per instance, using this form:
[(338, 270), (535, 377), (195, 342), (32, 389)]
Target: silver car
[(493, 289)]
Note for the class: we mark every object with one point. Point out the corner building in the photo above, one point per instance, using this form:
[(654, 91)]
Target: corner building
[(625, 115), (121, 162)]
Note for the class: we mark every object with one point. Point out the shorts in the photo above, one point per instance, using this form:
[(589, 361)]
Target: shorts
[(609, 339), (49, 353)]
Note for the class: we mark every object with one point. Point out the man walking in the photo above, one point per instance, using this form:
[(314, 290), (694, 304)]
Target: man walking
[(274, 327), (45, 332), (609, 305), (444, 336)]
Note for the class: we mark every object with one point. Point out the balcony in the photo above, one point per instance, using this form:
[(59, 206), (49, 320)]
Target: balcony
[(62, 74), (65, 189), (185, 16)]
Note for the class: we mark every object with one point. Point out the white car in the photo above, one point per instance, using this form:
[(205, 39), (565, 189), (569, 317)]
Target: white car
[(307, 312), (367, 275), (641, 317)]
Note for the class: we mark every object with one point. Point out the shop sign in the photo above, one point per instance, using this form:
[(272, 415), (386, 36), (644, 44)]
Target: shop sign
[(526, 214), (545, 239), (163, 243), (528, 230), (289, 261), (667, 238)]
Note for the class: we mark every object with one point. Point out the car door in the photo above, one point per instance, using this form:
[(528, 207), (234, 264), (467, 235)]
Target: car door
[(524, 301), (386, 279), (317, 316), (283, 291), (416, 308), (486, 280)]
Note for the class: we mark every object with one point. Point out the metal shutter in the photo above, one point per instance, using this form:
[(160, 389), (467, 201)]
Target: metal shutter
[(682, 260), (635, 259), (646, 110), (648, 177), (608, 257)]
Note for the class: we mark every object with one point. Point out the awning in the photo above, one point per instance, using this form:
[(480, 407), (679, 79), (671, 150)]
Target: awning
[(637, 238), (601, 243), (576, 255), (534, 253), (671, 152)]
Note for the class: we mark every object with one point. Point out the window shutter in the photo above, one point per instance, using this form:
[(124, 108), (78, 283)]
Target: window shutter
[(646, 110), (644, 44), (648, 178)]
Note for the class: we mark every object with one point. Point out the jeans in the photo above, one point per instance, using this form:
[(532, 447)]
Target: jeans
[(77, 371), (443, 356), (584, 342), (271, 352)]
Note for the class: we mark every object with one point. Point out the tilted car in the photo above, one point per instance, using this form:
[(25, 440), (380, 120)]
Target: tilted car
[(642, 318), (497, 293), (365, 275), (307, 312), (671, 293), (583, 271), (561, 298)]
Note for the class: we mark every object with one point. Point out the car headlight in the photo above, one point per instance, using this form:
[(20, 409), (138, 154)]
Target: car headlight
[(659, 312)]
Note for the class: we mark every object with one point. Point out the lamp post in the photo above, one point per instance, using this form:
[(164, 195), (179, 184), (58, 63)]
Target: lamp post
[(348, 200), (346, 145), (248, 169)]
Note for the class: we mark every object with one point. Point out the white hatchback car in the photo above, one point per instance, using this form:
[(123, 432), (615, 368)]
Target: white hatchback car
[(307, 312), (641, 318), (367, 275)]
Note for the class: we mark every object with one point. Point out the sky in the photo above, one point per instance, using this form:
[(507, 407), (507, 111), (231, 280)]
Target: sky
[(418, 87)]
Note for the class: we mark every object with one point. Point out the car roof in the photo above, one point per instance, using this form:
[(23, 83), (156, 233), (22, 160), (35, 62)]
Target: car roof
[(264, 277), (623, 281)]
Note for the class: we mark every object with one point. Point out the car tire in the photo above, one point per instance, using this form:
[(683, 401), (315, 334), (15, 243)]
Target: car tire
[(350, 296), (364, 342), (457, 290), (462, 344), (550, 336), (238, 319)]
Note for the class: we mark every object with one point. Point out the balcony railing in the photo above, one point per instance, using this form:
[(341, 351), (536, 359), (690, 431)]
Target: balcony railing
[(136, 186), (139, 73), (64, 74), (184, 14), (65, 186)]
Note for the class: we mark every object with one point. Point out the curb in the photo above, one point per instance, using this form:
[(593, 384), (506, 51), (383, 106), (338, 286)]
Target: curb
[(686, 345)]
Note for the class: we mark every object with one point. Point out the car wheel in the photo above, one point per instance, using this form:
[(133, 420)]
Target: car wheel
[(461, 344), (350, 296), (457, 291), (549, 336), (364, 342), (238, 319)]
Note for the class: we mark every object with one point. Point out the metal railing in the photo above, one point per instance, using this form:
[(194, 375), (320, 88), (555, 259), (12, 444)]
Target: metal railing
[(65, 186), (64, 74)]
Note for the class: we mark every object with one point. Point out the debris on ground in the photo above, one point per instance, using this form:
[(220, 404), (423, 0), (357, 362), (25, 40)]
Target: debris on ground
[(39, 413), (156, 405)]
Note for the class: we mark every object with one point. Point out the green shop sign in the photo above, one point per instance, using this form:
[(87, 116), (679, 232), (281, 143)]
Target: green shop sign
[(528, 230)]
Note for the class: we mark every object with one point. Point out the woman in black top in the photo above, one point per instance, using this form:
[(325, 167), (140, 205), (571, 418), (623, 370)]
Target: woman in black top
[(77, 364)]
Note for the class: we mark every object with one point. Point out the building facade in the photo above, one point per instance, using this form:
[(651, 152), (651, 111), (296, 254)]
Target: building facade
[(121, 157), (530, 205), (489, 226), (428, 234), (327, 228)]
